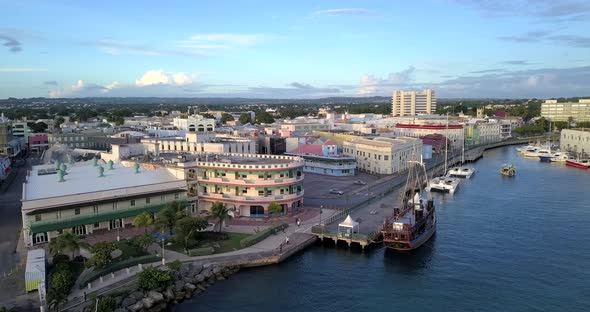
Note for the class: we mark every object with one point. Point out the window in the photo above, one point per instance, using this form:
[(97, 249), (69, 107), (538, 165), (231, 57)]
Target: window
[(147, 200), (163, 197), (282, 191), (133, 202), (176, 195), (244, 191), (77, 211), (114, 206), (386, 157), (38, 217), (260, 193), (96, 225), (260, 176)]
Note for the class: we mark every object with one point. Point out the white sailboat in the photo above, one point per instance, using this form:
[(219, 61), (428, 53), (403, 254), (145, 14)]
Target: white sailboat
[(444, 184)]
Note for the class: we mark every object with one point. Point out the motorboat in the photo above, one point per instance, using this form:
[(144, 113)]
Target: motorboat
[(461, 172), (559, 157), (578, 163), (508, 170)]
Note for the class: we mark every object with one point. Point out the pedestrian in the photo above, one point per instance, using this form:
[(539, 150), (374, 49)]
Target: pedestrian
[(287, 240), (84, 296), (298, 222), (281, 248)]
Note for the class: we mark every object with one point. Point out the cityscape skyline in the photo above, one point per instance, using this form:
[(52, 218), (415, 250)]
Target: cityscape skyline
[(505, 49)]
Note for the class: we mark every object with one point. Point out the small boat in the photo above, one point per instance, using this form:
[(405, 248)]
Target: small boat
[(443, 185), (546, 158), (578, 163), (559, 157), (461, 172), (508, 170)]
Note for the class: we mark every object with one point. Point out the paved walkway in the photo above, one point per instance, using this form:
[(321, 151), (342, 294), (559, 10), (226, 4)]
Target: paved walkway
[(269, 246)]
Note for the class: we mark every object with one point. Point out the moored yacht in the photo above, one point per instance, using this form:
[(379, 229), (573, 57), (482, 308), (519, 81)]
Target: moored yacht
[(559, 157), (461, 172), (443, 185), (578, 163)]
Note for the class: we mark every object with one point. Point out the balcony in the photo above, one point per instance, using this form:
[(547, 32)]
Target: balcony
[(249, 198), (91, 218), (251, 182)]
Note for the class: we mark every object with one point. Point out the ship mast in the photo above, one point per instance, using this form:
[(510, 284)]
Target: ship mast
[(446, 144)]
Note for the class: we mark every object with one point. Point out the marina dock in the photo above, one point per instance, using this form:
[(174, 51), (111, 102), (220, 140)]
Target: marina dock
[(371, 213)]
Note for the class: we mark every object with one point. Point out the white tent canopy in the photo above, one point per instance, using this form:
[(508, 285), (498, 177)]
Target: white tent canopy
[(348, 226)]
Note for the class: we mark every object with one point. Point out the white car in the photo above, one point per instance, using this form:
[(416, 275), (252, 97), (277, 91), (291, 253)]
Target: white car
[(335, 191), (360, 182)]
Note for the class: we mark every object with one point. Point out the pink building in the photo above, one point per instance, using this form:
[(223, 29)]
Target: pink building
[(38, 142)]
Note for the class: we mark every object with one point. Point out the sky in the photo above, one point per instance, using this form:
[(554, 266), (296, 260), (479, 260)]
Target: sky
[(294, 49)]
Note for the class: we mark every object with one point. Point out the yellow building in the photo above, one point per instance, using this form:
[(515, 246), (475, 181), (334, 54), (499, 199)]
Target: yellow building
[(383, 155)]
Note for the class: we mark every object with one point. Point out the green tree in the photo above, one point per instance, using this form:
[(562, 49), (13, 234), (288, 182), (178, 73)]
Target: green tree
[(245, 118), (220, 211), (142, 242), (37, 127), (207, 115), (152, 278), (275, 208), (167, 217), (59, 121), (101, 254), (143, 220), (263, 117), (225, 117), (185, 230), (61, 281), (66, 242)]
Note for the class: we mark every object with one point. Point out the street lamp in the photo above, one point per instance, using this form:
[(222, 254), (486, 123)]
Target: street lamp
[(322, 206), (118, 224), (163, 259)]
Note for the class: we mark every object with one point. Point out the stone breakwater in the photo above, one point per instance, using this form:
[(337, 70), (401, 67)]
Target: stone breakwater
[(191, 279)]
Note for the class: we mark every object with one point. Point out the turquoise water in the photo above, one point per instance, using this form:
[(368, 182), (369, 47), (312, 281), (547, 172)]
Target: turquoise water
[(503, 244)]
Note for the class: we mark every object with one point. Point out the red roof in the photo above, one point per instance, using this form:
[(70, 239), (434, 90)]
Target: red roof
[(312, 149), (430, 127)]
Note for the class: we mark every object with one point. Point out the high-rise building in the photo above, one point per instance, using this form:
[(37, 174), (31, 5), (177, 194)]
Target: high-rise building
[(556, 111), (409, 103)]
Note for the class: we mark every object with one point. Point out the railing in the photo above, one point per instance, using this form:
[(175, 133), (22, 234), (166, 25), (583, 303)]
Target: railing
[(238, 182), (268, 198), (278, 180), (279, 197)]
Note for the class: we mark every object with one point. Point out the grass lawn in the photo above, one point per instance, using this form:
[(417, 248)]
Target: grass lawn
[(128, 250), (230, 244)]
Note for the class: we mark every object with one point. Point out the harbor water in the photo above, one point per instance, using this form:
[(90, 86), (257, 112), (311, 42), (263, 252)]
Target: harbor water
[(502, 244)]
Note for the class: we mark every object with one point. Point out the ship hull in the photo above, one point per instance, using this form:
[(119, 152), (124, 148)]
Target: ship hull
[(576, 164), (414, 244)]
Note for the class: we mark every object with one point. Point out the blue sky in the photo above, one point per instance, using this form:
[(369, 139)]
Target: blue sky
[(294, 49)]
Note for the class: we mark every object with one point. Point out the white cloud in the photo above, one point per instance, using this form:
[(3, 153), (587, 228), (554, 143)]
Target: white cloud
[(371, 84), (182, 79), (160, 77), (153, 77), (108, 88), (65, 92)]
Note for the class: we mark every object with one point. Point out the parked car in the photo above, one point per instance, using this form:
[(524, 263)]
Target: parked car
[(335, 191), (360, 182)]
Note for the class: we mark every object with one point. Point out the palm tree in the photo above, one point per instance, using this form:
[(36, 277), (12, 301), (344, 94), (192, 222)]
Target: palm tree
[(275, 208), (143, 220), (220, 211), (167, 217), (66, 242)]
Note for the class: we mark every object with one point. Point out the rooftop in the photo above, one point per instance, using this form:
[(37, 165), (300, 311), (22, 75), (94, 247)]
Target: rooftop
[(244, 159), (83, 177)]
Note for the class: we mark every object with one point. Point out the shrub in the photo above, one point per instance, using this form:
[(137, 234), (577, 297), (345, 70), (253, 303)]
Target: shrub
[(105, 304), (175, 265), (152, 278), (260, 236), (101, 254), (88, 278), (201, 251)]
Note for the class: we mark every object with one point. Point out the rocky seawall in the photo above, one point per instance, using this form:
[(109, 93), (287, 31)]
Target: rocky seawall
[(191, 279)]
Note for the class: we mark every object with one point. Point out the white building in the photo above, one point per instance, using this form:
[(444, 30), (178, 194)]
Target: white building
[(576, 141), (555, 111), (453, 132), (195, 123), (383, 155), (85, 202), (405, 103)]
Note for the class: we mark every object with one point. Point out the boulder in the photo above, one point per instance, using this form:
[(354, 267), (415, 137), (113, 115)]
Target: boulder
[(127, 302), (118, 300), (137, 295), (138, 306), (197, 268), (185, 269), (220, 277), (178, 295), (201, 287), (120, 310), (169, 294), (156, 296), (147, 302), (190, 287), (207, 272), (216, 270), (199, 278), (178, 285)]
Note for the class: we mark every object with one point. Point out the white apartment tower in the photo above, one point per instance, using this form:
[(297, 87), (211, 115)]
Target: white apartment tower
[(409, 103)]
